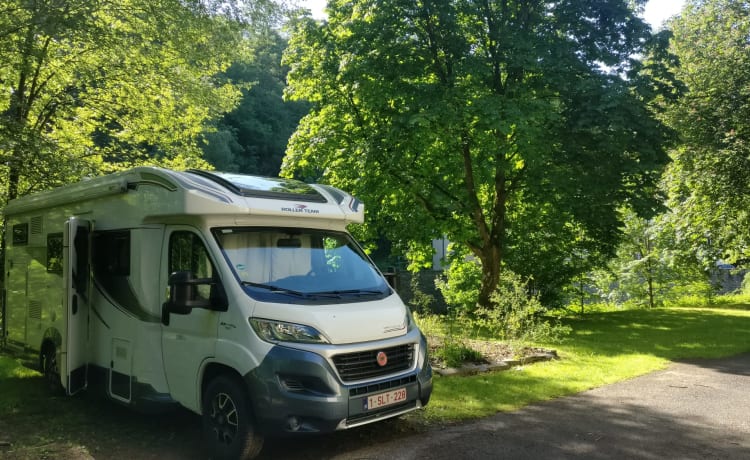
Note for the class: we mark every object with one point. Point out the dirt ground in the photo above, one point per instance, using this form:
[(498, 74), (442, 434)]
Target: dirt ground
[(89, 426)]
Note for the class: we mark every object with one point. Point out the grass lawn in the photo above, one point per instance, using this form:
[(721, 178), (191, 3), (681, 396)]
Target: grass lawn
[(603, 348)]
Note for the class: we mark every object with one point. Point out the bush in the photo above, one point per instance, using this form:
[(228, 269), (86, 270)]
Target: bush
[(460, 286), (454, 353), (515, 314)]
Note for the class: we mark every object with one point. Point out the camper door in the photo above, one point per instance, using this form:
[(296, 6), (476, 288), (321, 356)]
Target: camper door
[(76, 279)]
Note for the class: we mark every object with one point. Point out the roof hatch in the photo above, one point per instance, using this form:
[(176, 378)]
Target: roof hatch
[(263, 187)]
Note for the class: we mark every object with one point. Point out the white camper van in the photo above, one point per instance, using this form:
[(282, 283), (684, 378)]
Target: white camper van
[(241, 298)]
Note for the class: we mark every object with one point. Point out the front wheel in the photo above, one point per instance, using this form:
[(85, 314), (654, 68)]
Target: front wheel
[(228, 424)]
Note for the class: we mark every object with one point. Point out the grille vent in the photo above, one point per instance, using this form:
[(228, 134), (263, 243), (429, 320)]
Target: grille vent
[(35, 309), (364, 365), (36, 225)]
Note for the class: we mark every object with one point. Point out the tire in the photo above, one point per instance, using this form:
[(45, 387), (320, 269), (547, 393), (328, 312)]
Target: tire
[(229, 429), (51, 370)]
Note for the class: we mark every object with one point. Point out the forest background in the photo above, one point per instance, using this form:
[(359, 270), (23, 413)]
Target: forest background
[(565, 146)]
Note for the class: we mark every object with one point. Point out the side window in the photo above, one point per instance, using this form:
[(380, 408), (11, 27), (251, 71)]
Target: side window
[(111, 252), (187, 253), (20, 234), (55, 252)]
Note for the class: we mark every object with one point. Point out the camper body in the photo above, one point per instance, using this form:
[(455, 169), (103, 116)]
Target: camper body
[(240, 298)]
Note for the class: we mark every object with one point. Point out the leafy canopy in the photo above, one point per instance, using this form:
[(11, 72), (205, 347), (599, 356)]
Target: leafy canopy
[(90, 86), (708, 181), (492, 122), (252, 138)]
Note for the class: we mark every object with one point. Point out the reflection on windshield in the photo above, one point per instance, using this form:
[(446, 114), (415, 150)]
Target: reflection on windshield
[(300, 262)]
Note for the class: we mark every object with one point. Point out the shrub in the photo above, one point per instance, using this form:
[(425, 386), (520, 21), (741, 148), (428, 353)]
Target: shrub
[(515, 314), (454, 353), (460, 285)]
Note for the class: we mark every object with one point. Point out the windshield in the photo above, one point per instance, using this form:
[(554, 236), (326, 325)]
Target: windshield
[(296, 265)]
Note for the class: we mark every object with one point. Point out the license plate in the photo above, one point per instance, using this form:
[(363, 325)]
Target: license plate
[(385, 399)]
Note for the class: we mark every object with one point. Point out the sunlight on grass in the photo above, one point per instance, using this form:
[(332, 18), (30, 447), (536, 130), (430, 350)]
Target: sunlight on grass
[(10, 368), (604, 348)]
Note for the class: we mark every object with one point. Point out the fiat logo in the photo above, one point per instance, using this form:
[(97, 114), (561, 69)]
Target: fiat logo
[(382, 358)]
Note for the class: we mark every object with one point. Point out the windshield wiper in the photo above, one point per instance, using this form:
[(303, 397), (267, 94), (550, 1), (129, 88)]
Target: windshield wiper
[(355, 292), (273, 288)]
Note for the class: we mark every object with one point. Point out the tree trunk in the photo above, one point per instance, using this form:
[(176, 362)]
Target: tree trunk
[(490, 226), (490, 275), (13, 177), (650, 273)]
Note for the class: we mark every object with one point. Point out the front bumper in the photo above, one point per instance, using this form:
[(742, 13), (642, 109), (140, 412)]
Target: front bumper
[(300, 391)]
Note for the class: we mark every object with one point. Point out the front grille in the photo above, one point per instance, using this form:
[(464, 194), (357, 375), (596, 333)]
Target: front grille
[(364, 365)]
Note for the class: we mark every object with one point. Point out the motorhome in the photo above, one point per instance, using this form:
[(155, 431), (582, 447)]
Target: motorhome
[(241, 298)]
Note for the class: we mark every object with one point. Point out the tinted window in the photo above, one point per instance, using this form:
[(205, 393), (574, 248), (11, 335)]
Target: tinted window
[(20, 234), (188, 253), (112, 253), (55, 252)]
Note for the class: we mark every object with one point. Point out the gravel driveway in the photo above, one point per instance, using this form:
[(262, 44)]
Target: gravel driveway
[(692, 410)]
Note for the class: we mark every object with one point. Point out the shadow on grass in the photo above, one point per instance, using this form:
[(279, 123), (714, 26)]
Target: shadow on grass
[(34, 425)]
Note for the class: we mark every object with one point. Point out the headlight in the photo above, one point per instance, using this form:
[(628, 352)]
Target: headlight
[(279, 331)]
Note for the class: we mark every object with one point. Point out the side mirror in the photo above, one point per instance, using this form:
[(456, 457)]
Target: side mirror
[(183, 293)]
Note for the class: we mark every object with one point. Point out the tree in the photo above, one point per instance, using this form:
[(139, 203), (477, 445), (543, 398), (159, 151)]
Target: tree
[(92, 85), (467, 118), (651, 267), (708, 181), (642, 270), (252, 138), (88, 86)]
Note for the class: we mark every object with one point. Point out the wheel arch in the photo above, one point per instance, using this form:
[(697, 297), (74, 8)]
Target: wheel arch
[(51, 339), (215, 369)]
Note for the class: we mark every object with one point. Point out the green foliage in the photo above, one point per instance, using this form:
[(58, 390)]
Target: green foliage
[(651, 267), (420, 301), (430, 324), (90, 87), (252, 138), (460, 283), (517, 315), (455, 353), (708, 179), (494, 125), (514, 313)]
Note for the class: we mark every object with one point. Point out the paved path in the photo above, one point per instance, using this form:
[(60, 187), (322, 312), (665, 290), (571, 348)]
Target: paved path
[(692, 410)]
